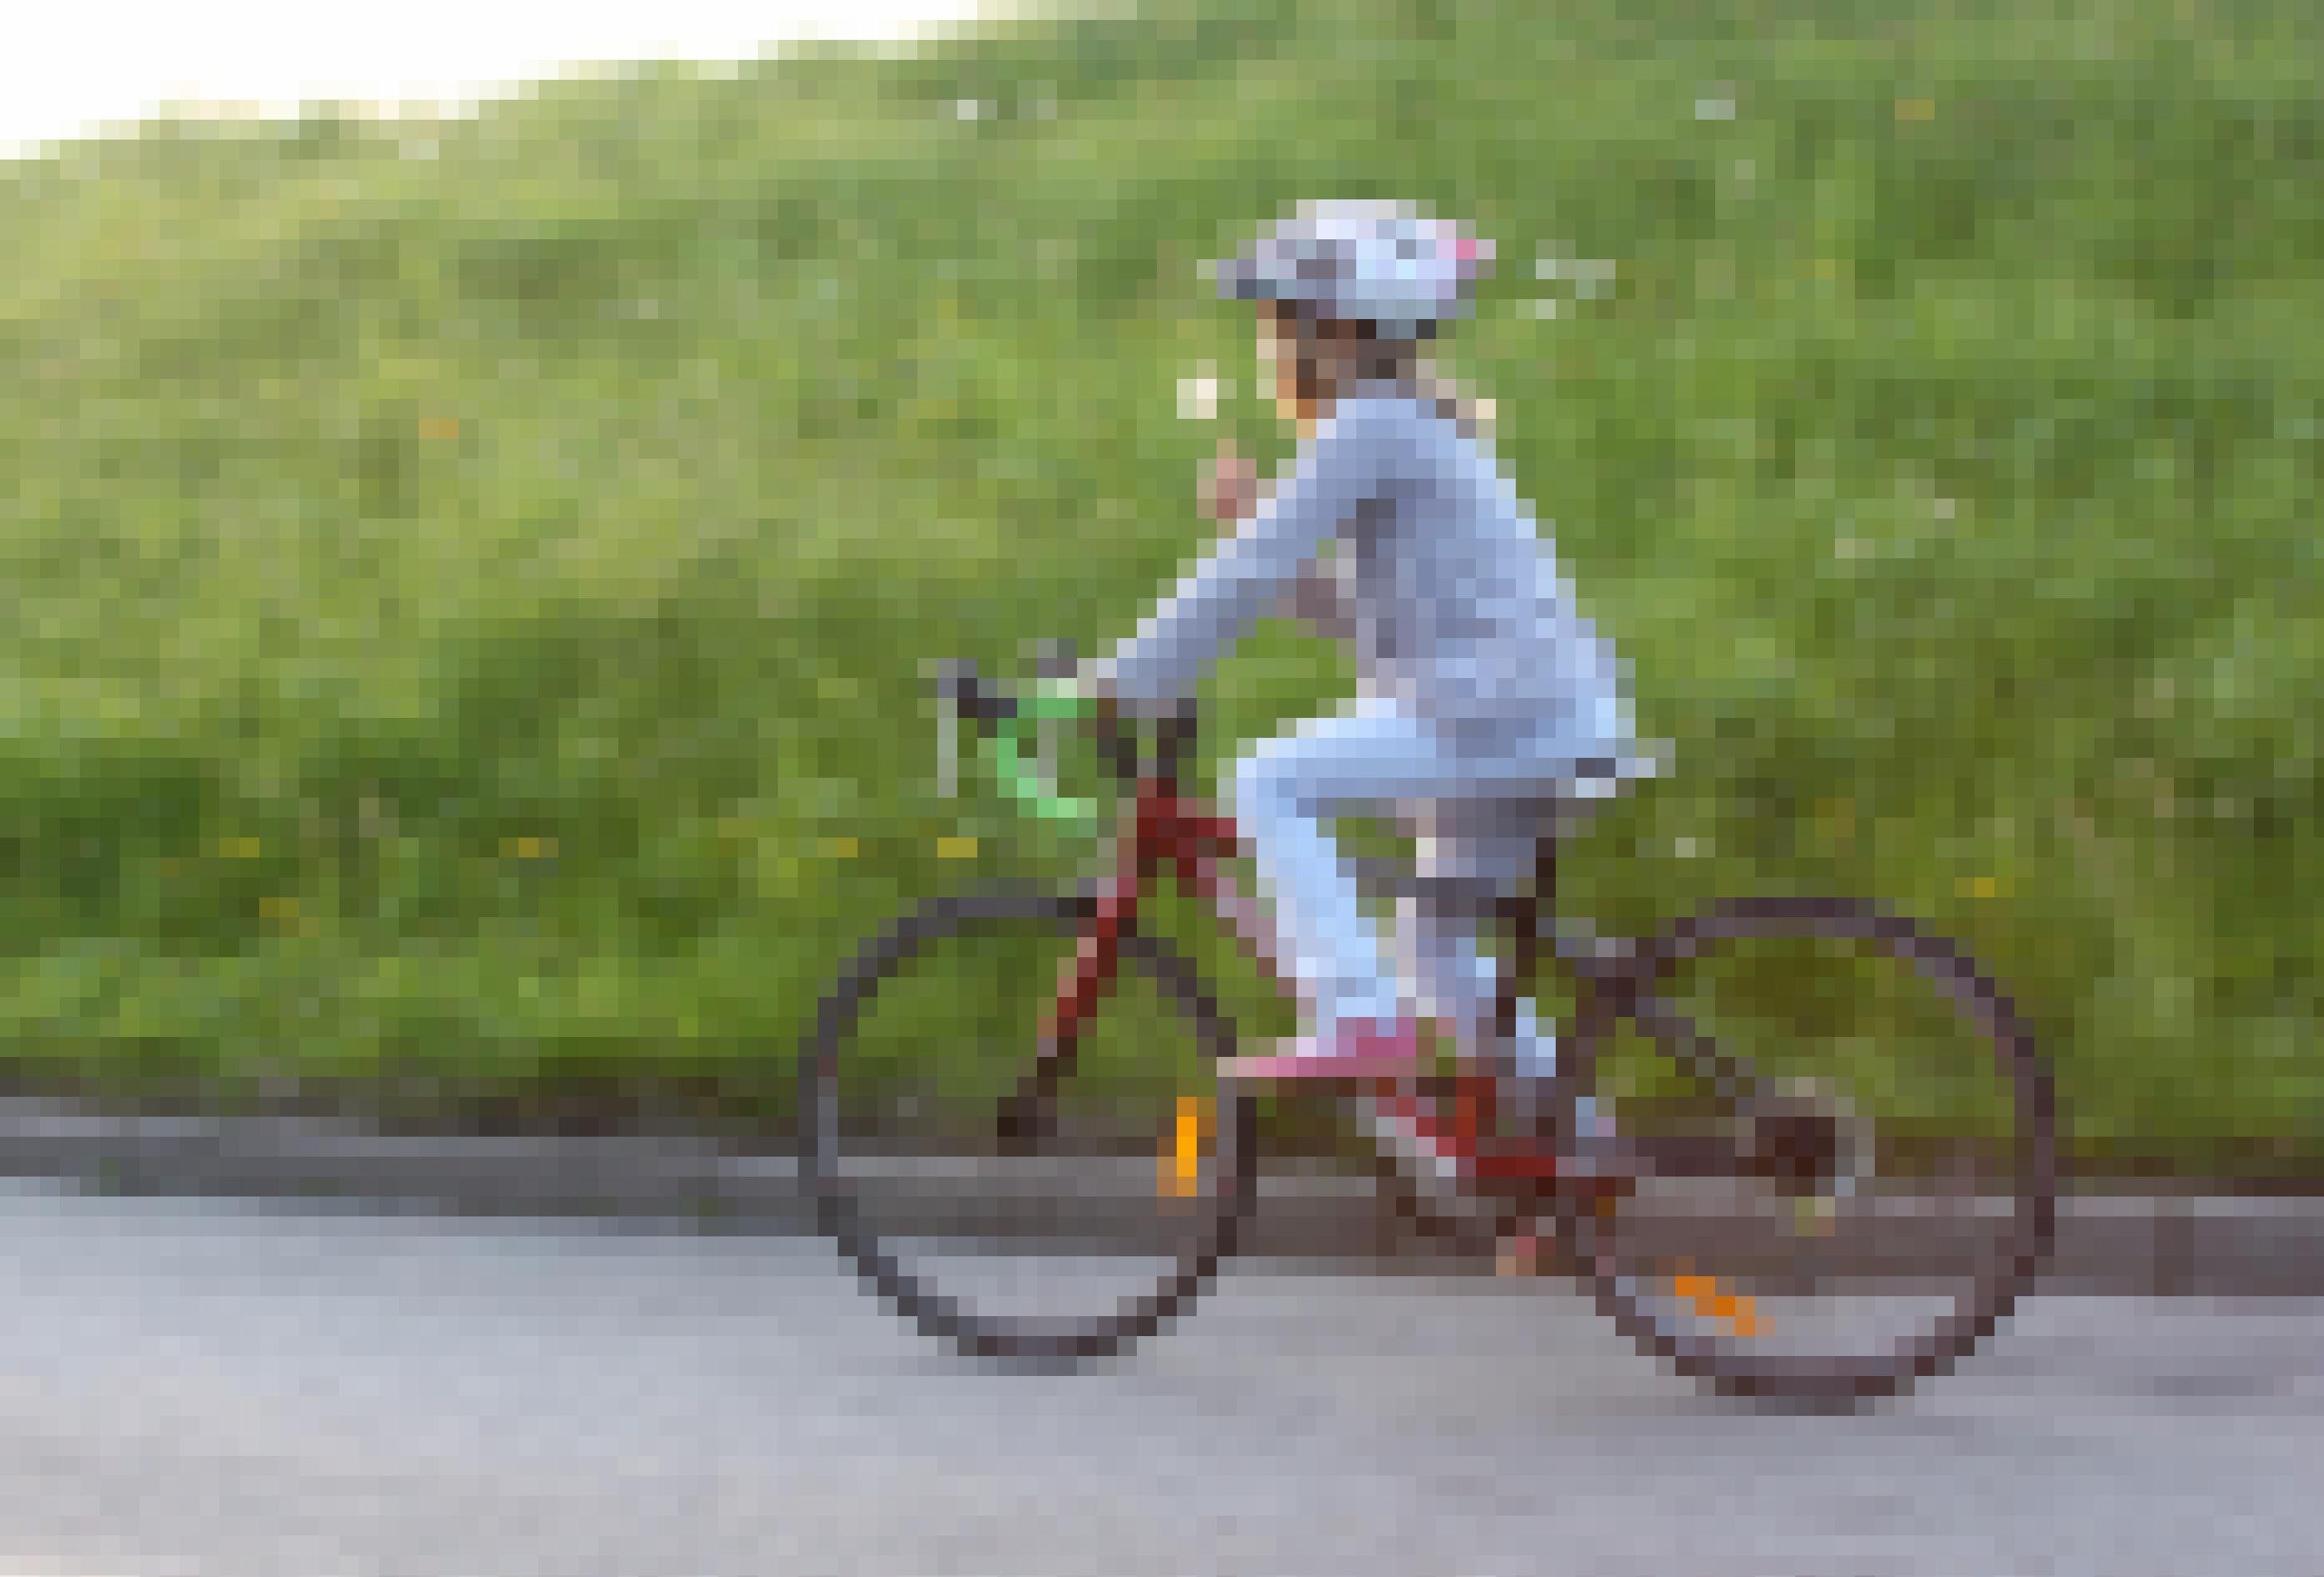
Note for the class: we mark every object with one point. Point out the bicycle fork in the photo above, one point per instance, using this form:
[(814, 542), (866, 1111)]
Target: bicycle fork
[(1158, 831)]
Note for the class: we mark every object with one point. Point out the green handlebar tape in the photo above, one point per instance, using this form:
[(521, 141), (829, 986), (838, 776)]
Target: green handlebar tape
[(1055, 700)]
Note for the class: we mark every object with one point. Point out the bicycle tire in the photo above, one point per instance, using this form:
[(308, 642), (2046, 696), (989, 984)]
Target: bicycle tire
[(1216, 1218), (1730, 1366)]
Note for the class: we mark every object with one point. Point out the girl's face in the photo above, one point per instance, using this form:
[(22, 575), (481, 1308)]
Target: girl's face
[(1308, 359)]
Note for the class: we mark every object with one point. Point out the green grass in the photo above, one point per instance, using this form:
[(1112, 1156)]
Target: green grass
[(464, 577)]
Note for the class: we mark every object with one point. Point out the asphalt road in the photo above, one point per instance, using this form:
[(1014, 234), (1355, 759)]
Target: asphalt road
[(201, 1386)]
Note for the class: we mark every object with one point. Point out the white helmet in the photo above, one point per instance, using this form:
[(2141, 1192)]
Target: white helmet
[(1381, 262)]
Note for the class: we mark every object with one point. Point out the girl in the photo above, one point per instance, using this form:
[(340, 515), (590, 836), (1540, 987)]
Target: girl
[(1481, 686)]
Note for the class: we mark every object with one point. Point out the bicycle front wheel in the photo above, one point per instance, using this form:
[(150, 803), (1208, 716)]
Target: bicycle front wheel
[(1858, 1143), (1015, 1203)]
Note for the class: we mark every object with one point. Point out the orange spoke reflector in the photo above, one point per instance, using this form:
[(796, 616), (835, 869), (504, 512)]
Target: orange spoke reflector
[(1711, 1304), (1182, 1167)]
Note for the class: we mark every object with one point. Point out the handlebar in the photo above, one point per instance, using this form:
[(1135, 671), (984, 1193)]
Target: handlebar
[(1000, 716)]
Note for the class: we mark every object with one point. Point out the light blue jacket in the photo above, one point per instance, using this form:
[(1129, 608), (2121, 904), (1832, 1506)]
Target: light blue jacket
[(1455, 604)]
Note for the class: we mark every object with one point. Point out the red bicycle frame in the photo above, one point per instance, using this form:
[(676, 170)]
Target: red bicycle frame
[(1165, 831)]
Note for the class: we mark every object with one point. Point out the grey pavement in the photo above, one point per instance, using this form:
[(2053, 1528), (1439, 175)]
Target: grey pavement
[(2179, 1244), (211, 1387)]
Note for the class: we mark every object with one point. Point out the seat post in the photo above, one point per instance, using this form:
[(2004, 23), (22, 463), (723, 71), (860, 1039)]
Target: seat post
[(1524, 913)]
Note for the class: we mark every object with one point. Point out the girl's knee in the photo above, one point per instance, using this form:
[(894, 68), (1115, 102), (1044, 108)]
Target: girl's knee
[(1263, 784)]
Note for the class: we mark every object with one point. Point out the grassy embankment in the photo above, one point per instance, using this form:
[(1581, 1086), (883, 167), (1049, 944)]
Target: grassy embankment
[(469, 581)]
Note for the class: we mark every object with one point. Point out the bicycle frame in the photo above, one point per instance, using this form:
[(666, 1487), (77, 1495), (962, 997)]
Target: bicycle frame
[(1163, 830), (1563, 1185), (1160, 828)]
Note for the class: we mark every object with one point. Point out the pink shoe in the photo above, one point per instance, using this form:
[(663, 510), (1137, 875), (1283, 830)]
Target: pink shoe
[(1363, 1050)]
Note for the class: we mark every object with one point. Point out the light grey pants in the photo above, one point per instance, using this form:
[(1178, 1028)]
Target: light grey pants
[(1469, 806)]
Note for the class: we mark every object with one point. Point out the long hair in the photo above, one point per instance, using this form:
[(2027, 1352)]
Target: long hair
[(1327, 353)]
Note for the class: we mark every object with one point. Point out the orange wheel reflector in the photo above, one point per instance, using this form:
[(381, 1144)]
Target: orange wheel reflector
[(1181, 1166), (1711, 1304)]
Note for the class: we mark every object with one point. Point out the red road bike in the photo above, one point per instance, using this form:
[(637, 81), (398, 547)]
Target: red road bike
[(1839, 1164)]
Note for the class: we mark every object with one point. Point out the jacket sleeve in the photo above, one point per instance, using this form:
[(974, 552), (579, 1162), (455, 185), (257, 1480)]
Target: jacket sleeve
[(1323, 598), (1345, 464)]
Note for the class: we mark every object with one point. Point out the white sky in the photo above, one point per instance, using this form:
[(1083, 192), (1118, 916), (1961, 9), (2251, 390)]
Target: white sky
[(82, 68)]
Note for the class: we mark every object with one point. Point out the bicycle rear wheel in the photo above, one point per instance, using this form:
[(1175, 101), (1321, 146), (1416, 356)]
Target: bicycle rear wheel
[(1858, 1150), (1012, 1213)]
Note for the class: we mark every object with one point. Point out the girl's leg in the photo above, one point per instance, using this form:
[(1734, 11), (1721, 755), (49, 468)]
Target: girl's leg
[(1453, 980), (1284, 790), (1286, 787), (1370, 755), (1455, 983)]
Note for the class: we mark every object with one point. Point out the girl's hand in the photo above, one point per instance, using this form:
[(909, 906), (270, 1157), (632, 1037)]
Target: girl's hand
[(1106, 708), (1229, 488)]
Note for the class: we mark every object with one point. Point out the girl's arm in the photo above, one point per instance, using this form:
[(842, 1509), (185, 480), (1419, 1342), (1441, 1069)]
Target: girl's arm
[(1323, 598), (1344, 463)]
